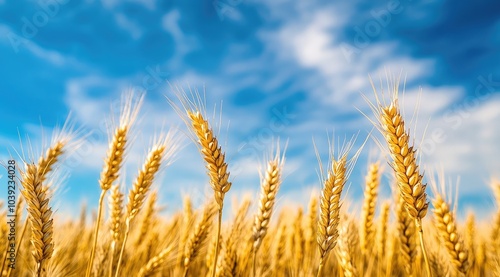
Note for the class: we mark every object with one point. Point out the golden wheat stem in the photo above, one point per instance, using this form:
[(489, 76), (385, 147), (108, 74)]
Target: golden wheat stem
[(418, 224), (217, 241), (108, 176), (96, 233), (122, 248), (320, 268)]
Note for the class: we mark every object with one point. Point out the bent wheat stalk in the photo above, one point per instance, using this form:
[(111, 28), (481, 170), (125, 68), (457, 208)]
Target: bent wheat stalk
[(404, 164), (215, 164)]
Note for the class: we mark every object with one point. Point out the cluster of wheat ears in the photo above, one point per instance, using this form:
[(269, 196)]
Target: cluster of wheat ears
[(128, 237)]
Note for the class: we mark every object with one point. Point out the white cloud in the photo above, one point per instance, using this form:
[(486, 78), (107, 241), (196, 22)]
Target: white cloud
[(19, 43), (183, 43), (128, 25)]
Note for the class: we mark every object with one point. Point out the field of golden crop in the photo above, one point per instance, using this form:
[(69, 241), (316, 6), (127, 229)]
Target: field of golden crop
[(414, 234)]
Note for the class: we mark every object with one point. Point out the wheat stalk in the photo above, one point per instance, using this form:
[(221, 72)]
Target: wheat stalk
[(213, 155), (155, 263), (382, 234), (161, 151), (448, 233), (40, 216), (270, 184), (198, 237), (279, 250), (329, 218), (116, 221), (406, 228), (215, 164), (404, 163), (147, 218), (311, 229), (470, 236), (113, 162), (368, 212), (229, 262), (347, 242), (298, 243)]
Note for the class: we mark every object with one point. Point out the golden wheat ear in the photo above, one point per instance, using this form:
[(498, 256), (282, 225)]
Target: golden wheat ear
[(40, 216), (193, 113), (270, 183), (447, 228), (161, 152), (348, 243), (403, 155), (199, 237), (333, 183), (154, 264), (114, 159)]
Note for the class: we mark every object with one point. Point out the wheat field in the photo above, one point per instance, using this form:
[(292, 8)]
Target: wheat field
[(414, 233)]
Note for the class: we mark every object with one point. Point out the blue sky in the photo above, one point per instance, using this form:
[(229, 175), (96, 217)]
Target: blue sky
[(302, 64)]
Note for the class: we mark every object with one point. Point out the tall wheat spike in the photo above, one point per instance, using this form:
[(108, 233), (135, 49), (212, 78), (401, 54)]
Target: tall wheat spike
[(113, 161), (215, 164), (368, 212), (330, 209), (162, 150), (40, 216), (404, 162), (451, 239), (270, 184)]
